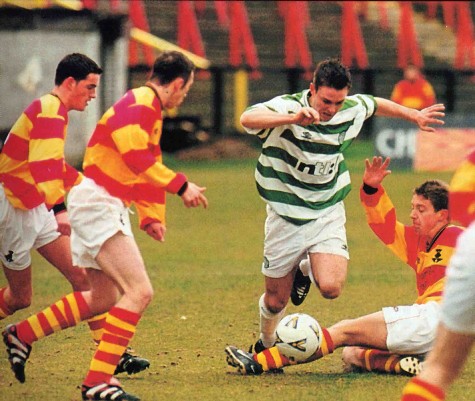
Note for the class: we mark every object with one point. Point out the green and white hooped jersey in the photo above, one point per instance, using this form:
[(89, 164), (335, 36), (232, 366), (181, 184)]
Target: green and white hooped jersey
[(301, 170)]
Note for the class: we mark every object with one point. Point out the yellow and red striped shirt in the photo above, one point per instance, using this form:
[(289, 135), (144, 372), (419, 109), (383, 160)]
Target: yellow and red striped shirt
[(32, 166), (462, 192), (124, 155), (428, 264)]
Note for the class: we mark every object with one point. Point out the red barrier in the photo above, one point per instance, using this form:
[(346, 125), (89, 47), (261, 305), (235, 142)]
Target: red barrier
[(189, 35), (352, 44), (408, 47), (139, 20), (383, 15), (221, 8), (240, 37), (296, 19), (465, 42)]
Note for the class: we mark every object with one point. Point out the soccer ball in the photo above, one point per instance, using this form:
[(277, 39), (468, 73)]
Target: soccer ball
[(298, 336)]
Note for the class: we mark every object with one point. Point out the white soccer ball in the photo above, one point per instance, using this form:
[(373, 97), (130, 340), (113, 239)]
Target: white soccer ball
[(298, 336)]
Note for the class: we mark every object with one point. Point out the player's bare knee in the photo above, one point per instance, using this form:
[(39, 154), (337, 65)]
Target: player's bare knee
[(144, 296), (275, 304), (330, 290)]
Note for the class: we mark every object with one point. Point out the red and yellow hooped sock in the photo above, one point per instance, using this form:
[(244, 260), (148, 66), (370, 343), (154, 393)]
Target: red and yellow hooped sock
[(272, 358), (67, 312), (419, 390), (381, 361), (119, 328), (96, 325)]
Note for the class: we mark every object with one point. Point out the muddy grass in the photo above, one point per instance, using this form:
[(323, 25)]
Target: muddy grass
[(220, 149)]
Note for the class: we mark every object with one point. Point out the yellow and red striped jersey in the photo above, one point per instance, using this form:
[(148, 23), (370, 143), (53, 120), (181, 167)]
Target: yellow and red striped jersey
[(462, 192), (124, 155), (32, 166), (428, 262)]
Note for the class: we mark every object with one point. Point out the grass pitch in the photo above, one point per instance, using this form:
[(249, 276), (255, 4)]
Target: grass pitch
[(207, 283)]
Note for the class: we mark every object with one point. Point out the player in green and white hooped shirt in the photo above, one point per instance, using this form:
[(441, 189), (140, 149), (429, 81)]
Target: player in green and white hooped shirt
[(302, 176)]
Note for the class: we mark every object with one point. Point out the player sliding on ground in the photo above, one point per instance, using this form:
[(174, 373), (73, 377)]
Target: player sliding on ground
[(395, 339), (456, 332)]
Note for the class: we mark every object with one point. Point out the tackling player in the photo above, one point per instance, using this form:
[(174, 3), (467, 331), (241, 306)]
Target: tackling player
[(456, 331)]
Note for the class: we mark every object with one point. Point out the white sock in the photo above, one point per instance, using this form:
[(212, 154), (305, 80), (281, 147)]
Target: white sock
[(307, 270), (268, 322)]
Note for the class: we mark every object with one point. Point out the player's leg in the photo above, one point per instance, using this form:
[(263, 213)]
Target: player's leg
[(442, 367), (58, 253), (120, 259), (272, 306), (66, 312), (18, 232), (375, 360), (284, 248), (329, 271), (18, 292), (328, 251)]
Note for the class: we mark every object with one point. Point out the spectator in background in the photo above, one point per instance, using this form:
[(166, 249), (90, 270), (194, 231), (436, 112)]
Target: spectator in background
[(413, 90)]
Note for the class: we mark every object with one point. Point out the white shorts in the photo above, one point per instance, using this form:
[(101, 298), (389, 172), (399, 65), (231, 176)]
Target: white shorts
[(23, 230), (95, 217), (411, 328), (458, 303), (286, 244)]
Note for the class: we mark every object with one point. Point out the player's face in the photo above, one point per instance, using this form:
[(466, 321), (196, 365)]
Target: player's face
[(327, 101), (180, 92), (83, 91), (425, 219)]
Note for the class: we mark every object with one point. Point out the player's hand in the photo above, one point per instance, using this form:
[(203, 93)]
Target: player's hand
[(193, 196), (306, 116), (375, 172), (64, 226), (430, 115), (156, 230)]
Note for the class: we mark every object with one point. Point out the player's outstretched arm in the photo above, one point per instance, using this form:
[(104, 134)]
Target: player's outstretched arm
[(261, 118), (424, 118), (193, 196), (376, 171)]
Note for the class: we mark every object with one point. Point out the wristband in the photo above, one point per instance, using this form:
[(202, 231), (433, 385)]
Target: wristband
[(60, 207), (368, 189), (183, 188)]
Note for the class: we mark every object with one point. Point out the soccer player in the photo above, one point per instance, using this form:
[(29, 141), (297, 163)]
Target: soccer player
[(122, 166), (302, 176), (456, 331), (391, 340), (34, 179)]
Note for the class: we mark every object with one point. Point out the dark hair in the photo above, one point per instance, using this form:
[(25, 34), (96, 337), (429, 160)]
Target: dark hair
[(332, 73), (75, 65), (436, 191), (171, 65)]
